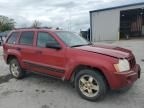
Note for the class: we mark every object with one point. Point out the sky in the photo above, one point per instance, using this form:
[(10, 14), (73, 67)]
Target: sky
[(70, 15)]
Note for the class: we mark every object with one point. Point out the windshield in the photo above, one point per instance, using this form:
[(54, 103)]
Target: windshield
[(71, 39)]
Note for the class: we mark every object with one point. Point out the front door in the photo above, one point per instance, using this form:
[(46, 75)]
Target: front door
[(48, 60)]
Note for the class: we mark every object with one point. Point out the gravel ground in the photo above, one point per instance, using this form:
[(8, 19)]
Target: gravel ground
[(42, 92)]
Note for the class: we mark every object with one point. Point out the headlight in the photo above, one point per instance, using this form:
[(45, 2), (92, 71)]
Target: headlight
[(123, 65)]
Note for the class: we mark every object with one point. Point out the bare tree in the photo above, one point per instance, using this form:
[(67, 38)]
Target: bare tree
[(36, 23)]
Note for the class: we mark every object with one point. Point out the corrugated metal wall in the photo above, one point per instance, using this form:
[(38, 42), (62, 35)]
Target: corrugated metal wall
[(105, 25)]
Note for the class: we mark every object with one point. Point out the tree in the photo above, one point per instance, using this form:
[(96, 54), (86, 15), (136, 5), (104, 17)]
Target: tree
[(6, 23), (36, 23)]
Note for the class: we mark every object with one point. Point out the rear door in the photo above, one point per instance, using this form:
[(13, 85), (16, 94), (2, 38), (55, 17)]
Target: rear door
[(25, 47)]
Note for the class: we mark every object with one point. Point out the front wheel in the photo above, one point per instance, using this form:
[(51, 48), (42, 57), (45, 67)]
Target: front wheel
[(90, 85)]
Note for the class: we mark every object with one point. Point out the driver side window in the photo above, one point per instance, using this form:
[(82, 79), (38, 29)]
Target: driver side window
[(44, 38)]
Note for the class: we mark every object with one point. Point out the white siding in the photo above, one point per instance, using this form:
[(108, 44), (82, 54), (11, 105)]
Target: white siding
[(105, 24)]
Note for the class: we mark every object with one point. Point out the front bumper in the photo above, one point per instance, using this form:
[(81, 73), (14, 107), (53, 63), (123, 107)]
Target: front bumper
[(126, 79)]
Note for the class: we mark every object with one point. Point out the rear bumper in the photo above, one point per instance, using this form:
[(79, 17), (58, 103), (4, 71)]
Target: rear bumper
[(126, 79)]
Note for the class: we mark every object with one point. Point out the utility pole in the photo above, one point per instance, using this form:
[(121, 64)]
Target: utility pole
[(69, 20)]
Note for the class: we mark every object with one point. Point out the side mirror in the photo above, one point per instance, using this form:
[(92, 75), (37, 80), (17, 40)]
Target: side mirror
[(53, 46)]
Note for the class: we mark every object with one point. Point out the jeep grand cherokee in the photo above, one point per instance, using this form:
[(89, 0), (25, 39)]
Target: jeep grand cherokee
[(91, 68)]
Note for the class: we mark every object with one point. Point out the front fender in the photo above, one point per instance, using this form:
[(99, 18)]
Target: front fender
[(102, 64)]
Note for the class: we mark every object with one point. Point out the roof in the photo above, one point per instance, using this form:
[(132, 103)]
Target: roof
[(116, 7)]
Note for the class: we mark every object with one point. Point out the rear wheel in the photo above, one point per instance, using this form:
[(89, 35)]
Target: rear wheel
[(90, 85), (16, 69)]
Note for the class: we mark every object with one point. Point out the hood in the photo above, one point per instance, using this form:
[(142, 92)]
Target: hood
[(108, 50)]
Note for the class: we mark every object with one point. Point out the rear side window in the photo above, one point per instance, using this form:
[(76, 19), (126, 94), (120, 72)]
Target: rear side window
[(12, 39), (27, 38), (44, 38)]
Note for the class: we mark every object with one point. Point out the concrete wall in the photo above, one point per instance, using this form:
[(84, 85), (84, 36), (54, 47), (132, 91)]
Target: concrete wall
[(105, 24)]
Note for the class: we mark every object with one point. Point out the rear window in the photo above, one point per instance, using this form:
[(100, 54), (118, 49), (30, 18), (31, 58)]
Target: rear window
[(27, 38), (12, 39)]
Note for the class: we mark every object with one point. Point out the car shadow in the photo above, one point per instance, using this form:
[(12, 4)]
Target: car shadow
[(67, 88)]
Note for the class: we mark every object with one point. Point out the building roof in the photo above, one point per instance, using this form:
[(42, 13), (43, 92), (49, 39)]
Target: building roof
[(116, 7)]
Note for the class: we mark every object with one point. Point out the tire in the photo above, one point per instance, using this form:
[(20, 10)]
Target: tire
[(15, 69), (93, 88)]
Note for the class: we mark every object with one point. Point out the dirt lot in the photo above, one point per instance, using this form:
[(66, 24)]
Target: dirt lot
[(41, 92)]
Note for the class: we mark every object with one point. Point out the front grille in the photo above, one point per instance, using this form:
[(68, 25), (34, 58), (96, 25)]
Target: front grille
[(132, 62)]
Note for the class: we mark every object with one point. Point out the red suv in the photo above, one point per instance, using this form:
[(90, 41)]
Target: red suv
[(92, 69)]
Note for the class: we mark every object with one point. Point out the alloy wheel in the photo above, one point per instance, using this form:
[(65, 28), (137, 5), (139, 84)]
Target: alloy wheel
[(89, 86)]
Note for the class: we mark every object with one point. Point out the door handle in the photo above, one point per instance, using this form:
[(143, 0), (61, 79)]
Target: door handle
[(38, 52), (19, 49)]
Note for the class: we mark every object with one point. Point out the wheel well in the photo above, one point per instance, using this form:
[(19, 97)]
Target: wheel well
[(10, 57), (81, 67)]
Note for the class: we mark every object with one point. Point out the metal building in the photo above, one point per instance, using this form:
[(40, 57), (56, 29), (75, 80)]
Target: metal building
[(115, 23)]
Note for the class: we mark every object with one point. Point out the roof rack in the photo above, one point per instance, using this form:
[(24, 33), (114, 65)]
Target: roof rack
[(34, 28)]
